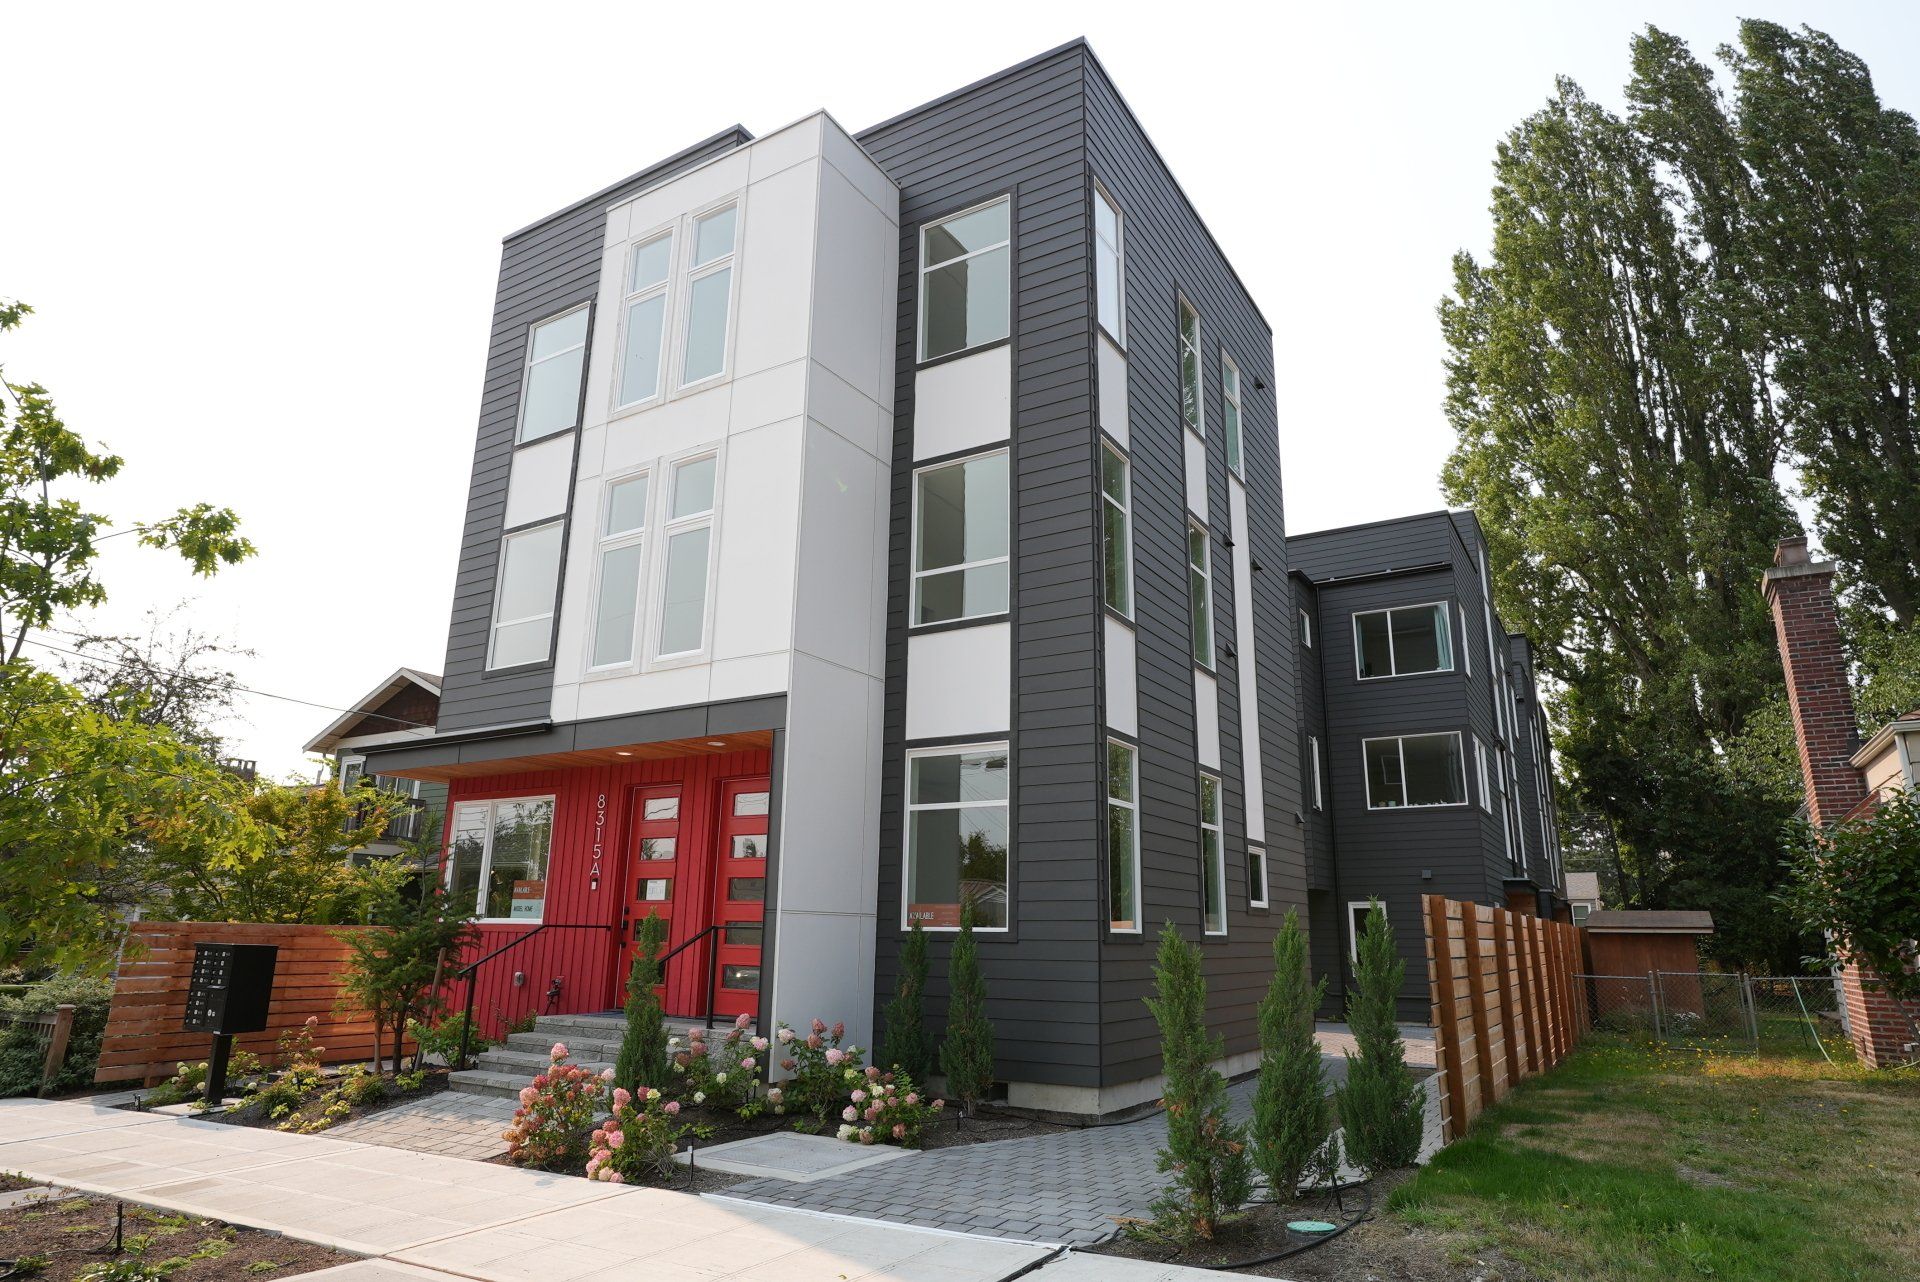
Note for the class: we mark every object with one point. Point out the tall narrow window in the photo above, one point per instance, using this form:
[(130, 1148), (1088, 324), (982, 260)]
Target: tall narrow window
[(960, 540), (1200, 586), (1415, 770), (957, 837), (1403, 641), (1313, 772), (556, 357), (709, 295), (1230, 411), (1213, 859), (1256, 877), (1191, 411), (649, 266), (1109, 279), (1306, 629), (1123, 838), (1357, 913), (689, 535), (963, 280), (616, 613), (523, 597), (1117, 531), (1480, 771)]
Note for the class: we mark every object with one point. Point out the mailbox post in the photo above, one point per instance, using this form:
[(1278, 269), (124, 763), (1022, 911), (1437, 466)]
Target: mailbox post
[(228, 993)]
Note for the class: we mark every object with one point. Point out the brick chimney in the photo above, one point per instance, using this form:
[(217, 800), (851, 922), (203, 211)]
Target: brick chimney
[(1800, 592)]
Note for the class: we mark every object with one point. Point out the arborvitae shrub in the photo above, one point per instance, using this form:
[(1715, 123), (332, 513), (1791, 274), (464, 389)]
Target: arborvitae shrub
[(1380, 1104), (1290, 1116), (907, 1046), (1205, 1154), (966, 1056)]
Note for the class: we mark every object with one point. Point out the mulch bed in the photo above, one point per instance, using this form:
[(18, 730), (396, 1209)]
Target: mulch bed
[(63, 1237), (255, 1116)]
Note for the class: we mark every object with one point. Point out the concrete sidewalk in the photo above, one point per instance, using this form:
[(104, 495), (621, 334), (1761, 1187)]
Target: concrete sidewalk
[(427, 1216)]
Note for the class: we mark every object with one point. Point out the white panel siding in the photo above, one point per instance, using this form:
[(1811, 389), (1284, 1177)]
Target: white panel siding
[(960, 682), (537, 487), (1206, 715), (1243, 634), (963, 404), (1113, 389), (1123, 694), (1196, 474)]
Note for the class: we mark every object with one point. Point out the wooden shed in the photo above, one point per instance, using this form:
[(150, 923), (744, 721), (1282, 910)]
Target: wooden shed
[(1637, 943)]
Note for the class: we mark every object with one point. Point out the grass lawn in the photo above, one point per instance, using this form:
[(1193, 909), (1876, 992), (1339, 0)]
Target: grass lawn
[(1629, 1162)]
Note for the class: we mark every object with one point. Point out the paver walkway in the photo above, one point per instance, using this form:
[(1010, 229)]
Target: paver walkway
[(446, 1122)]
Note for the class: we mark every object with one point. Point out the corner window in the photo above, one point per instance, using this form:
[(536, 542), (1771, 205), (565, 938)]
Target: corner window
[(1213, 859), (689, 540), (1230, 412), (556, 358), (963, 280), (957, 837), (1191, 412), (643, 320), (1306, 629), (960, 539), (622, 565), (709, 296), (1415, 770), (523, 597), (1116, 511), (1123, 838), (1256, 877), (497, 859), (1109, 278), (1480, 770), (1357, 912), (1200, 588), (1313, 773), (1402, 641)]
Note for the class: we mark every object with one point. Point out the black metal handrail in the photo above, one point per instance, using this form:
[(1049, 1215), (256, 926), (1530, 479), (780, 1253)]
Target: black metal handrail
[(470, 973), (713, 965)]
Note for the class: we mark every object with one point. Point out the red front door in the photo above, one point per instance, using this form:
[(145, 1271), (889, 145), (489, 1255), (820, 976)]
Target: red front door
[(740, 893), (654, 878)]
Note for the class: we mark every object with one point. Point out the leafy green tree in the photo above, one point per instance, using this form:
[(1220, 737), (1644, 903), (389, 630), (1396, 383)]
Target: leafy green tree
[(1205, 1154), (1857, 886), (1380, 1104), (966, 1055), (394, 974), (643, 1058), (1290, 1118), (907, 1046)]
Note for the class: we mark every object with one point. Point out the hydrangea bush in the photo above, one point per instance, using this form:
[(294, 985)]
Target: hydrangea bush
[(550, 1128), (728, 1076), (887, 1108), (638, 1139), (824, 1072)]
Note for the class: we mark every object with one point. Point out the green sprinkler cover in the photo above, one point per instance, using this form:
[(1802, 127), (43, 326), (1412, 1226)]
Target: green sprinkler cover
[(1311, 1226)]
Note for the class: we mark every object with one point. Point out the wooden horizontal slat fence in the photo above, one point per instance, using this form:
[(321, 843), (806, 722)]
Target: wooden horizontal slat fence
[(1506, 1003), (143, 1038)]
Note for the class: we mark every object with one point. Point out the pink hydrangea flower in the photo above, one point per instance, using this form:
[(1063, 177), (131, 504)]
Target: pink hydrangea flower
[(614, 1177), (621, 1097), (873, 1074), (819, 1025), (743, 1020), (815, 1042), (672, 1107), (913, 1097), (939, 1104), (835, 1055), (559, 1050), (759, 1043), (785, 1034), (850, 1113), (839, 1030), (775, 1095), (788, 1064), (900, 1130), (748, 1063), (859, 1097), (616, 1138), (526, 1096)]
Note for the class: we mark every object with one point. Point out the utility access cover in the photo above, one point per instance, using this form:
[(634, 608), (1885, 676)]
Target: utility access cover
[(787, 1156)]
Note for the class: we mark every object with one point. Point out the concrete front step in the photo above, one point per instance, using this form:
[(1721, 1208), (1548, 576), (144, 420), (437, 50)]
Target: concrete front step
[(528, 1063), (592, 1041)]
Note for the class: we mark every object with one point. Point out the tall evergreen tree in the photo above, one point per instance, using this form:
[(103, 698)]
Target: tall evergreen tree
[(643, 1059), (1290, 1121), (907, 1046), (966, 1055), (1205, 1154), (1380, 1105)]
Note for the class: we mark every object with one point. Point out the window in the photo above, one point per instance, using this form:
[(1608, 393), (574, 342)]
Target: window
[(960, 539), (497, 859), (1306, 629), (1480, 770), (644, 318), (1123, 838), (1313, 768), (689, 536), (616, 612), (1357, 926), (1403, 641), (963, 280), (709, 295), (1117, 531), (1109, 279), (1580, 912), (1230, 412), (957, 836), (556, 357), (523, 597), (1415, 770), (1191, 411), (1200, 586), (1256, 877), (1213, 859)]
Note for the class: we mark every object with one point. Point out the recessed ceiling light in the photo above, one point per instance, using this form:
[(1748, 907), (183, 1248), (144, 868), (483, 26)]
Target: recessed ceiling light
[(716, 743), (621, 752)]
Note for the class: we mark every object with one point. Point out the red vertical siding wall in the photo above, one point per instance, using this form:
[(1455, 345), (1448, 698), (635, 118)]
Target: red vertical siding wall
[(583, 960)]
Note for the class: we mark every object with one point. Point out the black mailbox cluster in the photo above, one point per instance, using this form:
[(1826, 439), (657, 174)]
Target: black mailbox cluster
[(229, 989)]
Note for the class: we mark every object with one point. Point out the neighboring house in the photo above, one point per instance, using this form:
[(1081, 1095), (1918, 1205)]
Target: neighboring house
[(1842, 778), (865, 525), (1583, 895), (1428, 766), (400, 709)]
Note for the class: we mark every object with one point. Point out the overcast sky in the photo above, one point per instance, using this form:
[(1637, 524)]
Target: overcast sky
[(261, 241)]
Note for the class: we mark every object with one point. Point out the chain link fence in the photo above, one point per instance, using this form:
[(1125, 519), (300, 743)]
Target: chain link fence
[(1720, 1011)]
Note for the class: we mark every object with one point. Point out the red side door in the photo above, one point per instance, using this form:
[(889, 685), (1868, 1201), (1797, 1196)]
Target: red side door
[(740, 893)]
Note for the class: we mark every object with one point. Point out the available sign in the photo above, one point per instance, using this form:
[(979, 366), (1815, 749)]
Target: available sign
[(935, 915), (529, 899)]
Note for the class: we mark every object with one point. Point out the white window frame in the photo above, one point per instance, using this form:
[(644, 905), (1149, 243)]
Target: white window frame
[(1124, 505), (1393, 659), (629, 297), (347, 763), (520, 436), (1181, 344), (1139, 897), (692, 275), (670, 526), (1366, 775), (1319, 785), (553, 599), (915, 573), (1219, 857), (920, 321), (493, 805), (1205, 573), (1101, 195), (1353, 932), (1235, 421), (607, 543), (906, 828), (1480, 769), (1306, 630), (1257, 858)]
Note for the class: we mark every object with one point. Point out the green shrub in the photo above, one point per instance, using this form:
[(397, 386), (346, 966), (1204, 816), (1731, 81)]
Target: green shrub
[(1205, 1153), (23, 1052), (1290, 1121), (966, 1056), (907, 1047), (1380, 1103), (644, 1059), (442, 1038)]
